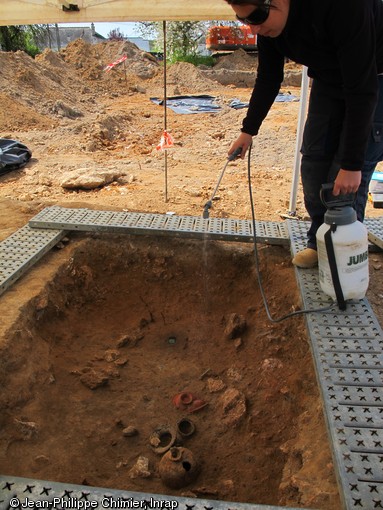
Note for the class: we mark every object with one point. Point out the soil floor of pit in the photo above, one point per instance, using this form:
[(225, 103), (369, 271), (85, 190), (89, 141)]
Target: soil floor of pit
[(94, 138), (125, 326)]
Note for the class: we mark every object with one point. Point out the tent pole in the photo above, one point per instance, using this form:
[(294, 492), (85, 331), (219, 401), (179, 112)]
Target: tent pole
[(165, 112), (297, 159)]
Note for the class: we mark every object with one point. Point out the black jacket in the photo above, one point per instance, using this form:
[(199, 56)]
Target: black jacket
[(341, 43)]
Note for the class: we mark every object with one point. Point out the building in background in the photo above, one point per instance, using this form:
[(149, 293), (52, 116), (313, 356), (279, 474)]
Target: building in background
[(58, 37), (143, 44)]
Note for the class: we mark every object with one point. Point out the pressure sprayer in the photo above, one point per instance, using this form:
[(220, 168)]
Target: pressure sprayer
[(342, 243)]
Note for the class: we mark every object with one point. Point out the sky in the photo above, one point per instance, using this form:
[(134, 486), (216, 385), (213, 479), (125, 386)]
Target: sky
[(128, 28)]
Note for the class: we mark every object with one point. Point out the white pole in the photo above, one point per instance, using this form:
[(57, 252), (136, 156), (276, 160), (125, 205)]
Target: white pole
[(297, 158)]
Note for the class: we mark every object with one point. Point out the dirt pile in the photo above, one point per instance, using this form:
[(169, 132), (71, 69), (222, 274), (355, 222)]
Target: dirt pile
[(45, 86), (90, 62), (238, 60), (183, 78), (37, 93)]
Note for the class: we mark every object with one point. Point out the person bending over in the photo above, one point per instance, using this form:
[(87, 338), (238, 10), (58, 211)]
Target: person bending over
[(341, 44)]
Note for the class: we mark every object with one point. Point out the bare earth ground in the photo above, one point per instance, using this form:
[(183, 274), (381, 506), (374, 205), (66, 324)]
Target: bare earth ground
[(100, 335)]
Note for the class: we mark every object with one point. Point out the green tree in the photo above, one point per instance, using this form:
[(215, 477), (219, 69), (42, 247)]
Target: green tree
[(181, 37), (21, 37)]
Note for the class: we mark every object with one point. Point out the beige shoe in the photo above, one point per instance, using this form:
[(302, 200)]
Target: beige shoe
[(306, 258)]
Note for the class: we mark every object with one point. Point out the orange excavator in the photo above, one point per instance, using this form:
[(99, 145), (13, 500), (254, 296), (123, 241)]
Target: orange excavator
[(222, 38)]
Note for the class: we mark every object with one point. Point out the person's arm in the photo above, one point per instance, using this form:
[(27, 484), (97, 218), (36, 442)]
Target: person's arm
[(267, 85), (266, 88)]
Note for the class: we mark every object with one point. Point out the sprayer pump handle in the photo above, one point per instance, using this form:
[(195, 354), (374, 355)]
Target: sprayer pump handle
[(330, 201)]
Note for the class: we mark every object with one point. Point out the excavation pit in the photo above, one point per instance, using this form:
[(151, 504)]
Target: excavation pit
[(89, 358)]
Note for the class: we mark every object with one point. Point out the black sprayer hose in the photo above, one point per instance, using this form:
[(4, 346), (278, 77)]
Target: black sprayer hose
[(257, 265)]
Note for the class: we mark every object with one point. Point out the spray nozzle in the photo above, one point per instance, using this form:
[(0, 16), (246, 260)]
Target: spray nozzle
[(205, 213)]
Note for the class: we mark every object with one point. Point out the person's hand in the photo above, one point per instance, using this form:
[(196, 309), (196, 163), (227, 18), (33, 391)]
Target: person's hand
[(244, 141), (347, 181)]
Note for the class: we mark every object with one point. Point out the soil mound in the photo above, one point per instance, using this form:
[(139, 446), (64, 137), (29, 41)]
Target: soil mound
[(90, 61), (33, 88), (15, 115), (239, 60), (59, 85), (183, 78)]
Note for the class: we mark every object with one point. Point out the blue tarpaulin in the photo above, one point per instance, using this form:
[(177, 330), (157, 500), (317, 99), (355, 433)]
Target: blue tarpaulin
[(206, 104), (281, 98), (189, 104)]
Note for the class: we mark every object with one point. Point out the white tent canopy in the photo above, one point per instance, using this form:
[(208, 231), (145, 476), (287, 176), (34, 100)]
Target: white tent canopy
[(29, 12)]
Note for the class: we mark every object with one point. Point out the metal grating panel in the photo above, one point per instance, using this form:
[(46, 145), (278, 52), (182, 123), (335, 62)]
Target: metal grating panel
[(375, 226), (21, 250), (224, 229), (347, 348), (375, 232), (15, 492)]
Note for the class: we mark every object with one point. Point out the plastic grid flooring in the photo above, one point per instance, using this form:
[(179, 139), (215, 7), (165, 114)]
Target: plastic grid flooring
[(22, 250), (14, 491), (347, 348), (160, 224)]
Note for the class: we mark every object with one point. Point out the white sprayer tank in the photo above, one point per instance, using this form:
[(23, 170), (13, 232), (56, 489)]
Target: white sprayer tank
[(350, 241)]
